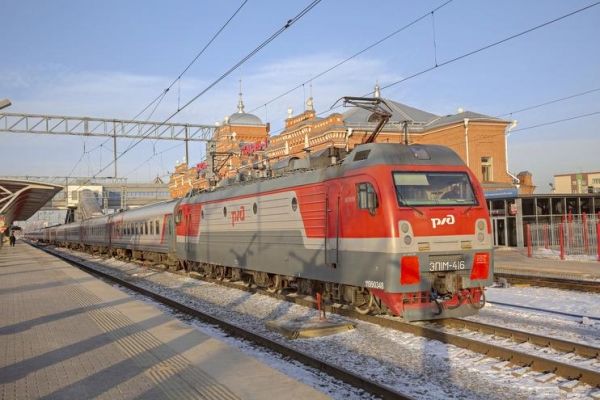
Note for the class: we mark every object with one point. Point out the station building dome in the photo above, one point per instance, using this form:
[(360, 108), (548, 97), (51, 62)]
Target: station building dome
[(241, 117)]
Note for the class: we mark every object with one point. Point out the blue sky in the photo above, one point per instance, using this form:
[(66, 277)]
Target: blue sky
[(110, 59)]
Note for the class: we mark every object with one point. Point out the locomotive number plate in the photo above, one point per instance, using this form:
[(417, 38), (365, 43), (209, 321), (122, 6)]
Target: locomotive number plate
[(437, 263)]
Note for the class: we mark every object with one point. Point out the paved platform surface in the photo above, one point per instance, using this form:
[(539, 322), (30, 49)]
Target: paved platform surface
[(510, 260), (66, 335)]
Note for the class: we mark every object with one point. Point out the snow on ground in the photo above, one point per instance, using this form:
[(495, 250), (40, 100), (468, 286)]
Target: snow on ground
[(422, 368), (555, 255)]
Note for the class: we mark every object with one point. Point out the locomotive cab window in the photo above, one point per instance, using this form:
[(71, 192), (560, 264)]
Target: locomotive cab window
[(434, 189), (366, 197), (179, 216)]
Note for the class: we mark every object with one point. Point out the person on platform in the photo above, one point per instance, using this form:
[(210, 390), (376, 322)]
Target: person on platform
[(12, 239)]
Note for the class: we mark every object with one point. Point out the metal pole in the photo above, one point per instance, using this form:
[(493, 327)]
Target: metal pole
[(561, 240), (187, 155), (528, 238), (598, 239), (115, 148)]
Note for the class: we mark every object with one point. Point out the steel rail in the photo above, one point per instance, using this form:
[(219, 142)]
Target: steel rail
[(516, 357), (564, 346), (552, 282), (337, 372), (522, 359)]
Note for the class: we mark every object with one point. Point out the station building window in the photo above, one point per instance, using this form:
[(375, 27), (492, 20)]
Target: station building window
[(486, 169)]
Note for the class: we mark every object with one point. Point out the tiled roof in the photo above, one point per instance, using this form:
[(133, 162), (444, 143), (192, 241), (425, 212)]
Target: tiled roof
[(419, 120)]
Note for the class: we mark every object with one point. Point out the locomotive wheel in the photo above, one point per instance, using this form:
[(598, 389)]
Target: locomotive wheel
[(362, 302), (236, 274), (275, 283), (220, 272)]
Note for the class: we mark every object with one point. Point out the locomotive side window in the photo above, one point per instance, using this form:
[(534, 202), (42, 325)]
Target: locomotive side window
[(294, 204), (366, 197), (433, 189), (179, 216)]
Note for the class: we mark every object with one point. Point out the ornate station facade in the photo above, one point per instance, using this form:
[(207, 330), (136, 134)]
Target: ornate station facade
[(242, 144)]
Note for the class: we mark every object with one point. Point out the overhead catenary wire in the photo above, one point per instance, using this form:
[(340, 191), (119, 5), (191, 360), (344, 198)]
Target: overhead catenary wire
[(162, 95), (436, 62), (490, 136), (557, 121), (549, 102), (492, 45), (289, 23), (152, 157), (178, 79), (419, 73), (354, 55)]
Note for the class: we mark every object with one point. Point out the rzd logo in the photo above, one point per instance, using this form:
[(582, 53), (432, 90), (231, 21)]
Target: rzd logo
[(447, 220), (238, 216)]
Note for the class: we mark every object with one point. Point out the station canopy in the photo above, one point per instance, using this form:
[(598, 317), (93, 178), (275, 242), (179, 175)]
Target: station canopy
[(19, 200)]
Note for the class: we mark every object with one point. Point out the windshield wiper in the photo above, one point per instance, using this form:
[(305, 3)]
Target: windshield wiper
[(406, 204), (469, 208)]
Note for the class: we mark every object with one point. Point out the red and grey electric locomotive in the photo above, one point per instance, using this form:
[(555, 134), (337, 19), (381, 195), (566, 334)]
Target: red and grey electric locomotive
[(384, 228), (395, 228)]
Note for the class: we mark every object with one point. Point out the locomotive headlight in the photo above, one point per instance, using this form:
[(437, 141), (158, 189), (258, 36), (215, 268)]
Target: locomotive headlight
[(406, 234), (481, 225), (404, 227)]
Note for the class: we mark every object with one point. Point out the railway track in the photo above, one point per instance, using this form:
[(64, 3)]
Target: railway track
[(551, 282), (577, 371), (541, 310), (483, 346), (582, 372), (334, 371)]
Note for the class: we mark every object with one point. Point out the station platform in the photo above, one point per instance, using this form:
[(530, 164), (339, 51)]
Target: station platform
[(67, 335), (511, 261)]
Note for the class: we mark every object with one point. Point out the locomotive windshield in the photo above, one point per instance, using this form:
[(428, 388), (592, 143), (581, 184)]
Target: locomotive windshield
[(434, 189)]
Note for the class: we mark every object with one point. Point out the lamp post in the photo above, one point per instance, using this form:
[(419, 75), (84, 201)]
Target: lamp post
[(4, 103)]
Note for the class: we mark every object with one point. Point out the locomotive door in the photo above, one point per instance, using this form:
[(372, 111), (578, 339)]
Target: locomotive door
[(188, 233), (332, 236), (108, 233)]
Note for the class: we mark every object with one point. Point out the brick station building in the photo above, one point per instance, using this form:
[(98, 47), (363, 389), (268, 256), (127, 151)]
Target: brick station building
[(243, 140)]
